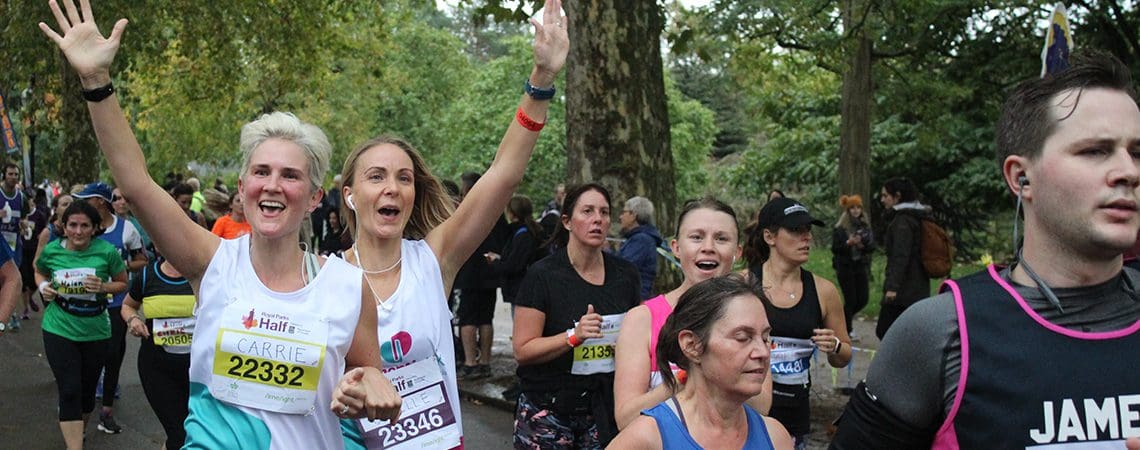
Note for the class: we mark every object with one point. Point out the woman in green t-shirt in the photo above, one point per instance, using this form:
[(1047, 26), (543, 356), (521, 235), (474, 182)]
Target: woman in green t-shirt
[(75, 275)]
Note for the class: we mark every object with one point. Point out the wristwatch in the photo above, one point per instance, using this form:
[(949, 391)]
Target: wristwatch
[(538, 93)]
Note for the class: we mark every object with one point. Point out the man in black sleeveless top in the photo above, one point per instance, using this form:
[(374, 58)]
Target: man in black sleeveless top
[(1040, 353)]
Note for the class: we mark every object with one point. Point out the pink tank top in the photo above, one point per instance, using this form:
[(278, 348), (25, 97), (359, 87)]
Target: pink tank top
[(659, 310)]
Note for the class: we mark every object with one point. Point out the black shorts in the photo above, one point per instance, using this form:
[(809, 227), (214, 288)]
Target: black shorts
[(28, 271), (476, 307)]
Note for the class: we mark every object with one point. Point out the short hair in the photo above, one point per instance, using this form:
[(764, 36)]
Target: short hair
[(194, 183), (181, 189), (903, 188), (11, 165), (86, 209), (286, 126), (1026, 119), (431, 205), (641, 208), (698, 310)]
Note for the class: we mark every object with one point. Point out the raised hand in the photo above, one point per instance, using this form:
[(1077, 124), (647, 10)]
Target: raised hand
[(88, 52), (551, 43)]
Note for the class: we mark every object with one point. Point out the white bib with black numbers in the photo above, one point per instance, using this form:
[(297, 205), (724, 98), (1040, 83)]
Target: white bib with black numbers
[(427, 417), (269, 358), (791, 360), (69, 283), (174, 334), (597, 355)]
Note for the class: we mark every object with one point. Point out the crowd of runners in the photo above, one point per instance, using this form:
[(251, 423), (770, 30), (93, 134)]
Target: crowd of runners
[(259, 331)]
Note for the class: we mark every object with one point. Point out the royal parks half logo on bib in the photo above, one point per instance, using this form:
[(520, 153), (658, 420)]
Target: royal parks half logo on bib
[(396, 348), (280, 323)]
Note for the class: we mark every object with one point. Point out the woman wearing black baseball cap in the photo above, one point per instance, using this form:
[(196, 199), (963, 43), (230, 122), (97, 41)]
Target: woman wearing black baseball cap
[(804, 310)]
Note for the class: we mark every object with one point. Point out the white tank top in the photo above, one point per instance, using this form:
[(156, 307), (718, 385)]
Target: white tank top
[(414, 325), (275, 356)]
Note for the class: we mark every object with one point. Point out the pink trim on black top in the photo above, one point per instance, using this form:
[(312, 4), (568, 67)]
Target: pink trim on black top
[(947, 437), (1055, 328)]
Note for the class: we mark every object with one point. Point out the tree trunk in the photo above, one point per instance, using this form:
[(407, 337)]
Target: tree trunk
[(79, 159), (617, 119), (855, 121)]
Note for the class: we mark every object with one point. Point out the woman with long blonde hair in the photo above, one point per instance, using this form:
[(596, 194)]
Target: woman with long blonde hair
[(410, 245)]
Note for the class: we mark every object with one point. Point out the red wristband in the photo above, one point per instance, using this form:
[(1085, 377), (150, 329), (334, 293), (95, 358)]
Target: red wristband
[(573, 340), (527, 122)]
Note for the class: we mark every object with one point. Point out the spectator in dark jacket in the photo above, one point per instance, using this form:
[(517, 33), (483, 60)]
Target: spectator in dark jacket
[(476, 285), (641, 241), (851, 245), (523, 248), (551, 217), (905, 281)]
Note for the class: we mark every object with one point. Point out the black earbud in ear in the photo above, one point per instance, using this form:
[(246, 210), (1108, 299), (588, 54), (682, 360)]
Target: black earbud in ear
[(1022, 180)]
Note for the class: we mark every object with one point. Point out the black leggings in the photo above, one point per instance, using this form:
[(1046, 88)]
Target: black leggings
[(75, 366), (116, 349), (854, 282), (165, 379)]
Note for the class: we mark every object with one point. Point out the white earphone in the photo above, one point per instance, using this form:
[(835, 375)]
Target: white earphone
[(348, 200)]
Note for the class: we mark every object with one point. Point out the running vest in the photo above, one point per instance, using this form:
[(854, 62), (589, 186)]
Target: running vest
[(674, 435), (114, 236), (168, 305), (414, 327), (1028, 383), (264, 364), (10, 225), (659, 311), (792, 348)]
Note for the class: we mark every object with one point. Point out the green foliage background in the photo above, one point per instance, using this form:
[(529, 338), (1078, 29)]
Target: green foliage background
[(753, 89)]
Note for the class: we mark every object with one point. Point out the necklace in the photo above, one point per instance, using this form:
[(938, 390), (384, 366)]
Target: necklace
[(791, 295), (775, 286), (381, 303), (360, 263)]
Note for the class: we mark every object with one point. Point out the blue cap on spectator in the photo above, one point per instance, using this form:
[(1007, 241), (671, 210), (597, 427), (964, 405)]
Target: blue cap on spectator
[(96, 189)]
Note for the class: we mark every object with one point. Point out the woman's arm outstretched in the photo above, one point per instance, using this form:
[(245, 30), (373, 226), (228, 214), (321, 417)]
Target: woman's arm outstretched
[(186, 244)]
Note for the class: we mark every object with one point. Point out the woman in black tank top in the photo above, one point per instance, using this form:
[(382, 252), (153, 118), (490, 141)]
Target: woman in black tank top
[(804, 310)]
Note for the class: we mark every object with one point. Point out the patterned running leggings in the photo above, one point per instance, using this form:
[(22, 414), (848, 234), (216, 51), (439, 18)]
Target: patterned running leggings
[(540, 429)]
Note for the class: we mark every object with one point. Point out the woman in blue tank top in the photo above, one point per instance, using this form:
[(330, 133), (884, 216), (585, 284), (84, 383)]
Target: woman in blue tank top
[(719, 335)]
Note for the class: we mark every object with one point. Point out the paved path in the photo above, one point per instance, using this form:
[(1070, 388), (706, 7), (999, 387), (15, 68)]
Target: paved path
[(28, 418)]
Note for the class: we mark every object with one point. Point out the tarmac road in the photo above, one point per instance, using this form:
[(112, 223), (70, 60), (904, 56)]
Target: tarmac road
[(28, 415)]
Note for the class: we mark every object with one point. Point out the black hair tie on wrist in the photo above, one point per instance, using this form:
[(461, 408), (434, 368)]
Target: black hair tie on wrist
[(99, 93)]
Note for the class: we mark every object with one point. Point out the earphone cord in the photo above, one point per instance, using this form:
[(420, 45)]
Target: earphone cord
[(1041, 286), (1016, 218)]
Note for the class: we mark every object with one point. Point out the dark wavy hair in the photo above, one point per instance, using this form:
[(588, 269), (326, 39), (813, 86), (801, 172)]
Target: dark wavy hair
[(903, 188), (82, 207), (561, 235), (698, 309)]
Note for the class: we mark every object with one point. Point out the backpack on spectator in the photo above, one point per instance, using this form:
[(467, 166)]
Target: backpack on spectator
[(937, 249)]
